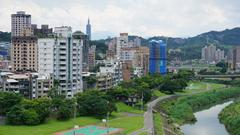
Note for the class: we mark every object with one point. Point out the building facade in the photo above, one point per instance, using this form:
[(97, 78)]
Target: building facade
[(236, 59), (91, 57), (65, 49), (158, 57), (24, 53), (19, 21)]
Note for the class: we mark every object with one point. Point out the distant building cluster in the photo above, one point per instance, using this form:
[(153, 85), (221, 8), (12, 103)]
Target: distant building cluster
[(211, 54)]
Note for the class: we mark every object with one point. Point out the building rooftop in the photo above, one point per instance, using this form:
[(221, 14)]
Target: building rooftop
[(11, 81)]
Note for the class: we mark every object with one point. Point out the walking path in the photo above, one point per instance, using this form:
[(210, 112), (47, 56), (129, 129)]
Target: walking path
[(148, 117)]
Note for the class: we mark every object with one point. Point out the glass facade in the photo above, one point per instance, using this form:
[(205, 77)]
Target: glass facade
[(158, 57)]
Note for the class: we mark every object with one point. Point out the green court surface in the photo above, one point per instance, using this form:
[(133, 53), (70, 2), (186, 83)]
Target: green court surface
[(91, 130)]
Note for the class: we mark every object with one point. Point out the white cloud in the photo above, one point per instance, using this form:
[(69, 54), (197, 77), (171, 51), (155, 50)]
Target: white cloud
[(138, 17)]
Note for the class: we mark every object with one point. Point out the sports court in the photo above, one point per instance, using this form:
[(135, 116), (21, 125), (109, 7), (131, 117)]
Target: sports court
[(90, 130)]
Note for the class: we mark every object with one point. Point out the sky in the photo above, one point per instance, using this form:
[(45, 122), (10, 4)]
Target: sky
[(145, 18)]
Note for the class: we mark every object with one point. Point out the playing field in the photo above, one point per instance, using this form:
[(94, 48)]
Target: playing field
[(90, 130)]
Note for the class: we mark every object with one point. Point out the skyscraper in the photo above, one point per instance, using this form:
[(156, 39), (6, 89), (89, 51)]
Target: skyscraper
[(88, 29), (18, 22), (158, 58)]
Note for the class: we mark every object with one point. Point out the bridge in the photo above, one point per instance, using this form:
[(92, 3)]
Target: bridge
[(230, 76)]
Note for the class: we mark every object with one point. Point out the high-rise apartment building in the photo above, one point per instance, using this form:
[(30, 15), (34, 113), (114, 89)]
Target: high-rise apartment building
[(122, 42), (91, 57), (88, 30), (24, 48), (141, 59), (19, 21), (212, 55), (65, 52), (158, 57), (236, 58)]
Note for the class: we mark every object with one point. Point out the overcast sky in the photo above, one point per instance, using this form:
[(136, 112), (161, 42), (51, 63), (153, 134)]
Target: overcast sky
[(178, 18)]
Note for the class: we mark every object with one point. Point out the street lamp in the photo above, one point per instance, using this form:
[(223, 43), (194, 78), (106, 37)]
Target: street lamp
[(74, 128), (107, 118)]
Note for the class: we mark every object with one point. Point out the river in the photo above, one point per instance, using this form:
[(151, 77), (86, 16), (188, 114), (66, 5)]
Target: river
[(207, 122)]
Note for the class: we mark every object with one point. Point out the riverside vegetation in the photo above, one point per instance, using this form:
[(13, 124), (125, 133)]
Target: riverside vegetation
[(230, 117), (180, 109)]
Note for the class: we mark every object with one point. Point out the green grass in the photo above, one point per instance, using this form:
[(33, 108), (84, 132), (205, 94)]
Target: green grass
[(129, 124), (143, 133), (157, 93), (125, 108), (48, 128), (197, 86), (158, 124)]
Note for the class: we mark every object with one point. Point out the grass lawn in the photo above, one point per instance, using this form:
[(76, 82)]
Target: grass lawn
[(47, 128), (129, 124), (198, 86), (125, 108), (158, 124), (157, 93)]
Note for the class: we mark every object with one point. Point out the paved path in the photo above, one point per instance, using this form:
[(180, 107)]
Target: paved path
[(148, 117)]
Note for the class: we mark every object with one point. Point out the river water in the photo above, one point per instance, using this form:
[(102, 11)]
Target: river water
[(207, 122)]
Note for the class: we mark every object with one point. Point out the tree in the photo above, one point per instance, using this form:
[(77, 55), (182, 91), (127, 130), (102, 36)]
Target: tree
[(14, 115), (223, 65), (30, 117), (94, 103), (8, 100), (43, 108), (170, 86), (64, 112)]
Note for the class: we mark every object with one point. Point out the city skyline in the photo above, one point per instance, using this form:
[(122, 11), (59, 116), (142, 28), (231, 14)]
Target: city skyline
[(112, 17)]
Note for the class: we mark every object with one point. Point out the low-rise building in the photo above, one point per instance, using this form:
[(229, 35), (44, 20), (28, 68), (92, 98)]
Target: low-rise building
[(30, 85), (114, 67), (104, 81)]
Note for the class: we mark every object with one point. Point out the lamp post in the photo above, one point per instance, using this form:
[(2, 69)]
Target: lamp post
[(142, 101), (74, 117), (107, 118)]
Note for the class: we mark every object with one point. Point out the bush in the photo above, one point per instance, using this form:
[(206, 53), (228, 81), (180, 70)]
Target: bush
[(8, 100), (14, 116), (30, 117), (64, 113)]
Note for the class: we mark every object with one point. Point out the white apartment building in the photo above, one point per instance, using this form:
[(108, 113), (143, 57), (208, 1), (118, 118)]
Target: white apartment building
[(45, 58), (63, 59)]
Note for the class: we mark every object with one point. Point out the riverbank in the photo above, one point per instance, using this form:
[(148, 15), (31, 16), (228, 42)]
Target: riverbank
[(179, 110), (230, 117)]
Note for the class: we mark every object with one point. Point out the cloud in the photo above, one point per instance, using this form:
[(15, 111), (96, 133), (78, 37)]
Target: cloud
[(139, 17)]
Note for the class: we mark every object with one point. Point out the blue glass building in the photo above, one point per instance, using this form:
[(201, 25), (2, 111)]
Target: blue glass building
[(158, 57)]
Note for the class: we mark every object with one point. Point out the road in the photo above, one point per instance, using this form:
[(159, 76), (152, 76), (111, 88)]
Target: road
[(148, 117)]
